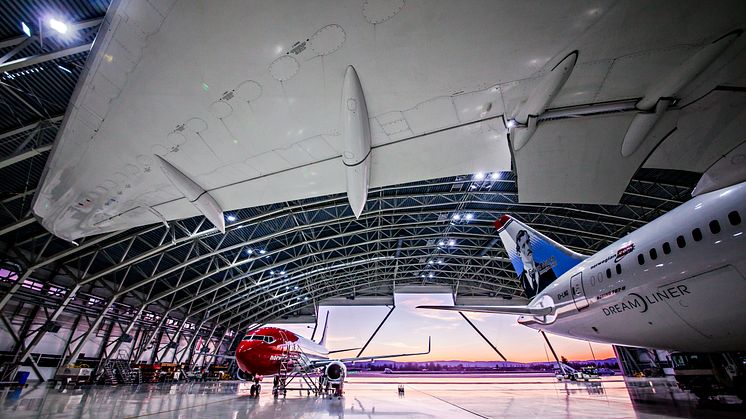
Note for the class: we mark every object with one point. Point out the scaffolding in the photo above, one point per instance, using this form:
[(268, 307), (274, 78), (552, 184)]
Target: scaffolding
[(294, 374)]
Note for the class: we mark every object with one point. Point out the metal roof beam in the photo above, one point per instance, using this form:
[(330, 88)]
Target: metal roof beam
[(42, 58)]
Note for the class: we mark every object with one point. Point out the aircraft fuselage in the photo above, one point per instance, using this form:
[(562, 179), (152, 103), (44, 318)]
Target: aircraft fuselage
[(676, 283)]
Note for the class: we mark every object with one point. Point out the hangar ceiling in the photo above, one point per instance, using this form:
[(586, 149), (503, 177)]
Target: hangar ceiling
[(275, 261)]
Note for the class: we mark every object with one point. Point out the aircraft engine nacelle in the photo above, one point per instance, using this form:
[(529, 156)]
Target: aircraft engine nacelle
[(335, 372)]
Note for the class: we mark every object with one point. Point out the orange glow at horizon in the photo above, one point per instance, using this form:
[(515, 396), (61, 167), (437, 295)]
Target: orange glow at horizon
[(407, 331)]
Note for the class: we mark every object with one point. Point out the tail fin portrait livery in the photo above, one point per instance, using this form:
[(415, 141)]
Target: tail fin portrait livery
[(537, 259)]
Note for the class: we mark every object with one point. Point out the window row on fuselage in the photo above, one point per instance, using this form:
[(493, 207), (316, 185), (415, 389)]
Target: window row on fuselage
[(734, 218)]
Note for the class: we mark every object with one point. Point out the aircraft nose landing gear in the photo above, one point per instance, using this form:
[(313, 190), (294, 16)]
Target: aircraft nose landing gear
[(256, 387)]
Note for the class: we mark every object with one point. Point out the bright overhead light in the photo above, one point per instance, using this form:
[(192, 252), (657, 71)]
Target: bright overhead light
[(440, 262), (57, 25), (271, 272), (495, 176), (469, 216), (441, 243), (456, 216), (511, 123), (282, 272), (249, 251), (231, 218), (25, 29), (429, 262), (262, 251), (479, 176), (64, 68), (451, 242), (431, 275), (295, 287)]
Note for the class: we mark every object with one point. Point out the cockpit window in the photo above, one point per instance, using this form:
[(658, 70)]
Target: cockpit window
[(267, 339)]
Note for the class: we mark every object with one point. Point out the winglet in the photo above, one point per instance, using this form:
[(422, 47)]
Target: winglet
[(322, 342)]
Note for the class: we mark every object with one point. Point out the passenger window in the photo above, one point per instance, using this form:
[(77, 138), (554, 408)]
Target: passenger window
[(666, 248), (618, 269), (714, 226), (641, 259), (653, 254), (734, 217), (697, 234), (608, 273), (681, 242)]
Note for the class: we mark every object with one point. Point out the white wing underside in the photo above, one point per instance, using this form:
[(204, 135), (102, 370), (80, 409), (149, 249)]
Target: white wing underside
[(244, 98)]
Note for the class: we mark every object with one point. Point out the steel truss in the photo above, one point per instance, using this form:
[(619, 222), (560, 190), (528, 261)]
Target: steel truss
[(276, 260)]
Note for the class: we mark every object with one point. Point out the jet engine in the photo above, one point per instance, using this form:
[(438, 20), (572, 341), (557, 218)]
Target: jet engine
[(335, 372)]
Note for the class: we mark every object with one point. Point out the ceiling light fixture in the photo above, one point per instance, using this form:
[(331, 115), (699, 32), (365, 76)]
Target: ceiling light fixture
[(26, 30), (57, 25)]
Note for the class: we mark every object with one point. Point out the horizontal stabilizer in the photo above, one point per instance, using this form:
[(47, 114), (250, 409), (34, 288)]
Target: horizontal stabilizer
[(520, 310)]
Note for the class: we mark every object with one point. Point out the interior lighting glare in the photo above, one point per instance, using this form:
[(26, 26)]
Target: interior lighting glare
[(456, 216), (495, 176), (441, 243), (469, 216), (249, 251), (451, 242), (68, 70), (282, 272), (262, 251), (431, 275), (511, 123), (429, 262), (479, 176), (57, 25), (271, 272), (25, 29)]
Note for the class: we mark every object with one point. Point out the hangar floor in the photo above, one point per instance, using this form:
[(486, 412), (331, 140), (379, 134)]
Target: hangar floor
[(367, 396)]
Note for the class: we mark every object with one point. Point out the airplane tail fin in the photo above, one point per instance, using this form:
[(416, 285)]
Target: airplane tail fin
[(537, 259), (322, 342)]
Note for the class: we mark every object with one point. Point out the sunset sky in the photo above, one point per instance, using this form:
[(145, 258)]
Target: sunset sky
[(407, 330)]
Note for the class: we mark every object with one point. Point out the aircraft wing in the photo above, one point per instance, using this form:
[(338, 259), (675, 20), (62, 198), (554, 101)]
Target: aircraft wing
[(323, 362), (242, 99), (518, 310)]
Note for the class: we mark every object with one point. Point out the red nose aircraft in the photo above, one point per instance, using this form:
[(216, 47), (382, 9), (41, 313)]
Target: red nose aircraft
[(267, 350)]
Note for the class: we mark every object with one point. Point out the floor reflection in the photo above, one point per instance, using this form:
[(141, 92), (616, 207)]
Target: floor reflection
[(368, 396)]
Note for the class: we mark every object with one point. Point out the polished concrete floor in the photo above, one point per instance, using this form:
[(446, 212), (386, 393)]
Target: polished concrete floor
[(426, 396)]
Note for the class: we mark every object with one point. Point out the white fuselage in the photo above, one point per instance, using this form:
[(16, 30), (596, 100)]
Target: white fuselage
[(688, 295)]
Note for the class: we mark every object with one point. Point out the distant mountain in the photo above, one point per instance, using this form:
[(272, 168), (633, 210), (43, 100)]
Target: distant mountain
[(491, 364)]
